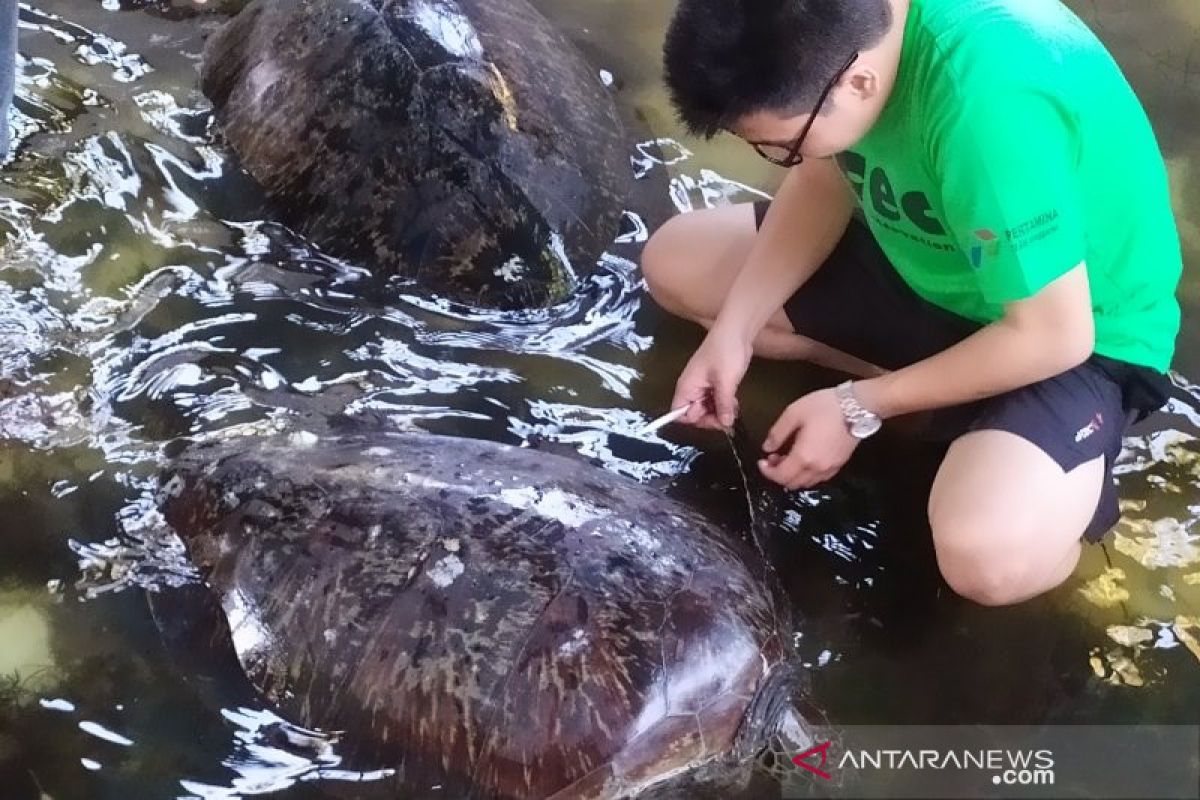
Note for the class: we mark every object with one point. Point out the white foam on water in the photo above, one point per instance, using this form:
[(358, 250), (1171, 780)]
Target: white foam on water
[(637, 233), (712, 190), (294, 754), (147, 554), (101, 732), (57, 704), (653, 153)]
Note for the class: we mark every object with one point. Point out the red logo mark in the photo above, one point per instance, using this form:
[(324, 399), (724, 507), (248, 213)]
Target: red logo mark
[(823, 750)]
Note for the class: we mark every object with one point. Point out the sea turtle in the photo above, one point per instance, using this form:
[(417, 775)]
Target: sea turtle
[(462, 143), (494, 621)]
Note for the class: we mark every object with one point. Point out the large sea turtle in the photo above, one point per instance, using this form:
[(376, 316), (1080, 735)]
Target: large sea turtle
[(462, 143), (494, 621)]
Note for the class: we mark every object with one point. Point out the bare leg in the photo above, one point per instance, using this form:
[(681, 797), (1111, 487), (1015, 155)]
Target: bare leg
[(690, 264), (1006, 519)]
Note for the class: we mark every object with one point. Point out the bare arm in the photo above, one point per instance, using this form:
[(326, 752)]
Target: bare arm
[(807, 218), (1036, 339)]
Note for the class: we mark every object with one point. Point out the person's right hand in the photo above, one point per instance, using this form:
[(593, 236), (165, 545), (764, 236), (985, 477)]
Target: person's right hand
[(710, 381)]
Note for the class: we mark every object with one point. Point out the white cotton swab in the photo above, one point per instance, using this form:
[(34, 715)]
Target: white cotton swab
[(665, 419)]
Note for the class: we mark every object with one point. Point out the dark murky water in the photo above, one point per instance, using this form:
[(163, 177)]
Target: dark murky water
[(142, 298)]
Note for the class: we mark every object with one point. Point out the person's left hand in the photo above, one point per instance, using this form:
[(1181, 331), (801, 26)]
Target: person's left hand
[(821, 442)]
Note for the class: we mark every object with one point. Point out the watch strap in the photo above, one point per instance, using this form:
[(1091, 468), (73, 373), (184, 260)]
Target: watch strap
[(852, 410)]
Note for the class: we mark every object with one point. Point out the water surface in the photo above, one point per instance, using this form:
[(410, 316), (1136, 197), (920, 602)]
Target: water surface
[(144, 297)]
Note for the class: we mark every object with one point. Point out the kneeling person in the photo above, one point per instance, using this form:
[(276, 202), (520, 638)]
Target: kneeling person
[(976, 218)]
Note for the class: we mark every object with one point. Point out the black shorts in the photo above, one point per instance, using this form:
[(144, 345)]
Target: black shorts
[(858, 303)]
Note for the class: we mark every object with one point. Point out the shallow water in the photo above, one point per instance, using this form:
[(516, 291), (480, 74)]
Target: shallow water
[(143, 298)]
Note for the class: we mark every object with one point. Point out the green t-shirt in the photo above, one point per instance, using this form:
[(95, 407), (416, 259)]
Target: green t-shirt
[(1011, 150)]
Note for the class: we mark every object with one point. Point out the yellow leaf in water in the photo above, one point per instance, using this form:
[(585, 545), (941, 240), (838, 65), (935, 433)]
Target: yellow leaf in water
[(1123, 666), (1130, 506), (1192, 579), (1190, 639), (1105, 590), (1129, 635), (1169, 544)]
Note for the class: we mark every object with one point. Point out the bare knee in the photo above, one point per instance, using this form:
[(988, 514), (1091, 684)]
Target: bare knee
[(691, 260), (979, 570), (997, 581), (663, 268), (1006, 520)]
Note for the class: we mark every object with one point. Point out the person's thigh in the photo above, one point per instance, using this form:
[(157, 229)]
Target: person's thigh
[(690, 262), (855, 313), (1032, 477), (1006, 519)]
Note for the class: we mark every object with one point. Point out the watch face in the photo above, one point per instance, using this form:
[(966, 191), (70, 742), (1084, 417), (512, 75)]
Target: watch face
[(863, 428)]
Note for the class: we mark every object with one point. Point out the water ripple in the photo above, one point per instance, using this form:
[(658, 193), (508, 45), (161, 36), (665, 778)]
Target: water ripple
[(271, 754), (147, 295)]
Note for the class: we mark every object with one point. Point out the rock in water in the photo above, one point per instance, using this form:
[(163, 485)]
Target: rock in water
[(462, 143), (500, 622)]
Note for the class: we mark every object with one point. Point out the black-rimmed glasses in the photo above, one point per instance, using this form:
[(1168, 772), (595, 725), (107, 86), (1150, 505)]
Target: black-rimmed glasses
[(789, 155)]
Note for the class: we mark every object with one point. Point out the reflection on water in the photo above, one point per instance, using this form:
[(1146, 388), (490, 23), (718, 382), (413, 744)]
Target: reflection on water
[(144, 298), (271, 754)]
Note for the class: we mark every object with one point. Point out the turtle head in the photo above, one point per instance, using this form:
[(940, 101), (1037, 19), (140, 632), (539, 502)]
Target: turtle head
[(782, 724), (216, 494)]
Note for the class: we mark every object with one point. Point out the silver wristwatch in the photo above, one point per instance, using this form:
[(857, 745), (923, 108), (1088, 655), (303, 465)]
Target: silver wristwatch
[(861, 422)]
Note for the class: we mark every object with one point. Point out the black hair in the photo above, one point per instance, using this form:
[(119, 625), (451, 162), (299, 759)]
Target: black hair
[(724, 59)]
